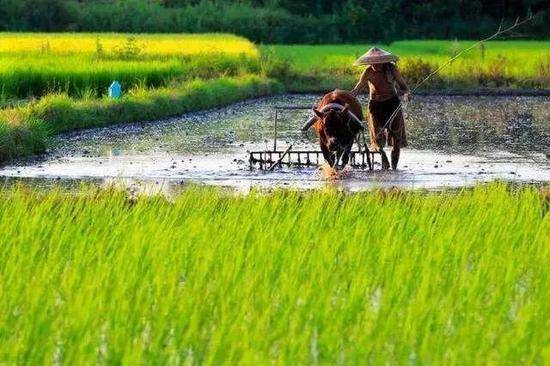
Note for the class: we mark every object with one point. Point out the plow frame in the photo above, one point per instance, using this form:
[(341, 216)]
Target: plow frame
[(267, 159)]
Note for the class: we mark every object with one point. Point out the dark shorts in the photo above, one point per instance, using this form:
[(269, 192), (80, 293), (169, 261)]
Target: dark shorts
[(394, 133)]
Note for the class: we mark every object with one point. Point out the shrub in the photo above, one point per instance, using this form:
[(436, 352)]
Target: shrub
[(276, 67), (495, 74), (415, 70), (23, 138), (543, 72)]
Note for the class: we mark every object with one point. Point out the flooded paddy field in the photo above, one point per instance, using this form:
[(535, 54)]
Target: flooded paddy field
[(454, 141)]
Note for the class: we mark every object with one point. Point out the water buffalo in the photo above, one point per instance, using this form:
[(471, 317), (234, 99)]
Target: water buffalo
[(337, 120)]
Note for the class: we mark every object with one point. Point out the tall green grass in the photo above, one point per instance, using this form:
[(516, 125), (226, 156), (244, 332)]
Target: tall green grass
[(285, 278), (25, 76)]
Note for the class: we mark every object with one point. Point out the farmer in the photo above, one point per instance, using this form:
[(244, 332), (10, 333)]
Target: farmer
[(380, 78)]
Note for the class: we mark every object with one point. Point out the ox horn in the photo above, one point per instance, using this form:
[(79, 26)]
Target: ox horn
[(312, 119), (309, 123), (355, 120)]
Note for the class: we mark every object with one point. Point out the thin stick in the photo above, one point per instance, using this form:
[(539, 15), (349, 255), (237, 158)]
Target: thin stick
[(275, 164), (499, 32)]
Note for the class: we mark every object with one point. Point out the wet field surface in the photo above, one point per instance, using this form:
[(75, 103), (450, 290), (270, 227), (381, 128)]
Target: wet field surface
[(453, 141)]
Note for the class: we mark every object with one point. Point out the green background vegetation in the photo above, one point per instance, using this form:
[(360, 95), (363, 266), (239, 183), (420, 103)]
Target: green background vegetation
[(54, 89), (24, 130), (280, 21), (287, 277), (496, 64), (83, 64), (36, 72)]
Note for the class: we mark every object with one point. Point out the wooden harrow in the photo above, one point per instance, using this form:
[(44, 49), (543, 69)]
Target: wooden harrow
[(360, 156)]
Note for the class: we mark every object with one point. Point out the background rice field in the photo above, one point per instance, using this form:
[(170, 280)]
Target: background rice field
[(496, 64), (34, 64), (52, 82), (305, 57), (286, 277), (162, 45)]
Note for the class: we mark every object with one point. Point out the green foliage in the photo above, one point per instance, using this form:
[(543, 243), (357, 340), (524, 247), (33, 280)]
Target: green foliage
[(415, 70), (27, 137), (273, 66), (281, 278), (281, 21), (543, 68), (130, 50), (23, 129)]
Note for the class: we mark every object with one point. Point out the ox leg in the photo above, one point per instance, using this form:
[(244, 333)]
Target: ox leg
[(329, 157), (395, 157), (337, 157), (385, 161), (345, 157)]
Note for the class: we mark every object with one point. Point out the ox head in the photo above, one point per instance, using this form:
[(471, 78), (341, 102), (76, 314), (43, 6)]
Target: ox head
[(333, 121)]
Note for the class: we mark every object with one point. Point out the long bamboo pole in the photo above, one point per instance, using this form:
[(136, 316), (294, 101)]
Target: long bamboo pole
[(499, 32)]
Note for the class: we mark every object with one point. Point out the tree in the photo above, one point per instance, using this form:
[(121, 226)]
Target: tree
[(49, 15)]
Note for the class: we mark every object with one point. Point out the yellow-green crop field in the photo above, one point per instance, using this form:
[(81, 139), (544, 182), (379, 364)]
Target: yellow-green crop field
[(283, 278), (34, 64), (58, 82), (158, 45)]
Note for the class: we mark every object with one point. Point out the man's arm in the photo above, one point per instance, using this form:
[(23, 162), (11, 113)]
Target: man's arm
[(361, 85), (402, 84)]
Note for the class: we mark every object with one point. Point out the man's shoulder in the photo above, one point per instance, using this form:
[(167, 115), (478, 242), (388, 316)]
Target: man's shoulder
[(368, 71)]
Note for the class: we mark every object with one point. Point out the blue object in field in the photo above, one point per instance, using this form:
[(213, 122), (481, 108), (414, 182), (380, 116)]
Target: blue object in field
[(115, 90)]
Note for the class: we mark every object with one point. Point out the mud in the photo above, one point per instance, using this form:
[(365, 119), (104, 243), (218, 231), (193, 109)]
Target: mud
[(454, 141)]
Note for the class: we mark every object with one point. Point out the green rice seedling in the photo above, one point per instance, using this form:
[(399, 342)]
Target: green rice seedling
[(24, 76), (286, 277)]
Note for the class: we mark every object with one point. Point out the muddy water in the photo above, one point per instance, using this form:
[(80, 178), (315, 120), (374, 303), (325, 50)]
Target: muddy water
[(454, 141)]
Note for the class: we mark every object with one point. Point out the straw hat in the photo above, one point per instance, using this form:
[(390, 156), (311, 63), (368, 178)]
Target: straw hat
[(375, 56)]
